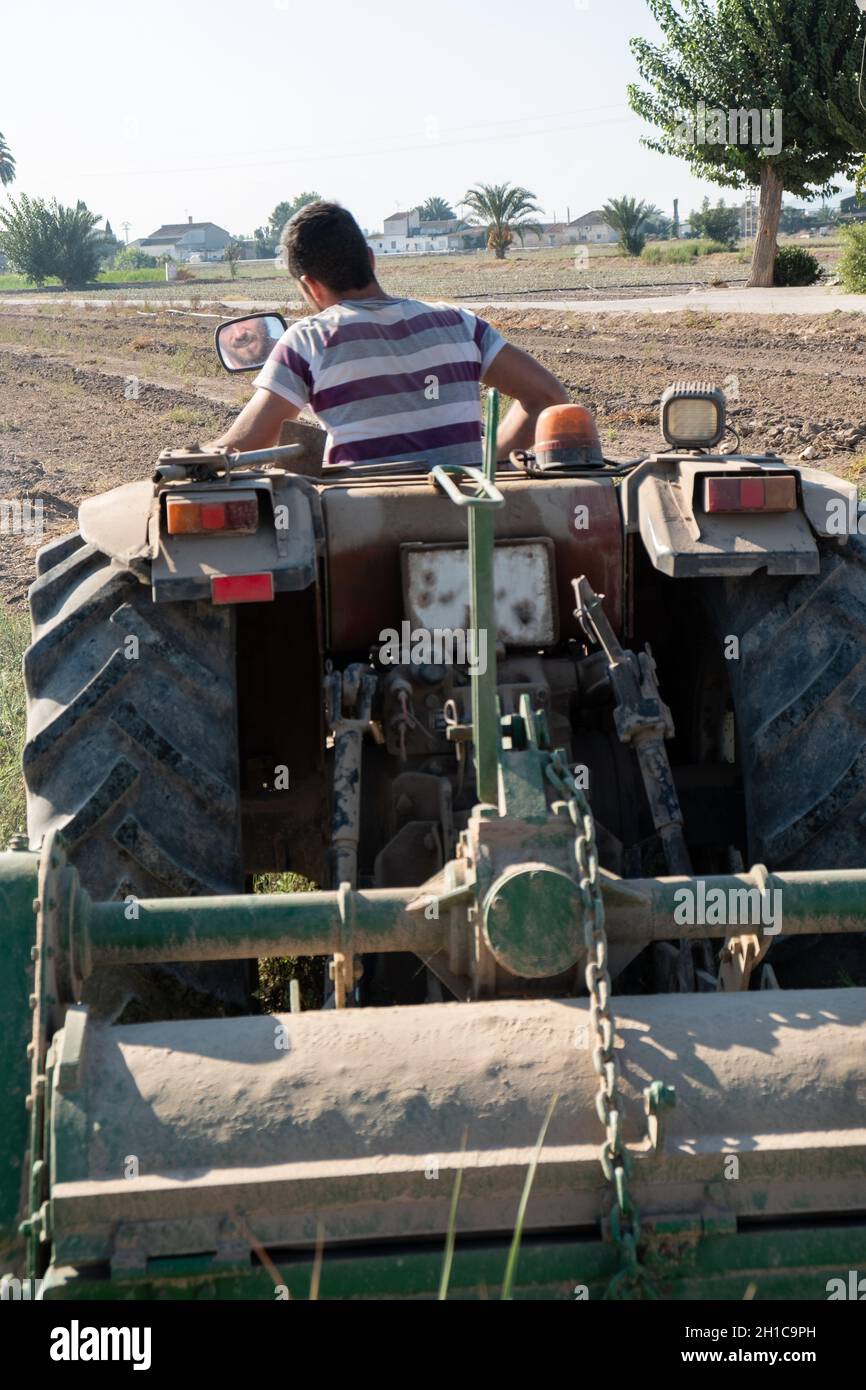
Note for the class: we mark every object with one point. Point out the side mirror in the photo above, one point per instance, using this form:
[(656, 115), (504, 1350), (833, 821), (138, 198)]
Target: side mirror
[(244, 345)]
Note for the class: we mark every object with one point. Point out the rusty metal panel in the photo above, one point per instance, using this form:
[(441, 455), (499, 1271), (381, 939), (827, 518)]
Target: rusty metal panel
[(367, 523), (436, 590)]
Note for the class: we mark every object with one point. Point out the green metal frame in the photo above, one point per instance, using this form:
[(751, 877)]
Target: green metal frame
[(764, 1264)]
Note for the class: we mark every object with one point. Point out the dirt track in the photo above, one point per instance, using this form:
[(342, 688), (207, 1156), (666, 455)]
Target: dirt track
[(69, 426)]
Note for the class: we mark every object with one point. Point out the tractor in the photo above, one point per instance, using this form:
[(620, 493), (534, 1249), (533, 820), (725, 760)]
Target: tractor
[(571, 754)]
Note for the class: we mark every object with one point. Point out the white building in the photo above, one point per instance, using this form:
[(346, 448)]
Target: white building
[(405, 234), (179, 241), (384, 244), (593, 228)]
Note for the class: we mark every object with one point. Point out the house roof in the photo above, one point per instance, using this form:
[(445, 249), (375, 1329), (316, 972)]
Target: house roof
[(171, 230), (394, 215), (588, 218)]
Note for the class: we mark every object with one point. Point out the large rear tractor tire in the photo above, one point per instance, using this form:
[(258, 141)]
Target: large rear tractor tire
[(799, 699), (132, 758)]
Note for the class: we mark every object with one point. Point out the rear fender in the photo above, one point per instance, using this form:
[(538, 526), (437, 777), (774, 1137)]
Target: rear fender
[(128, 523), (285, 545), (662, 502)]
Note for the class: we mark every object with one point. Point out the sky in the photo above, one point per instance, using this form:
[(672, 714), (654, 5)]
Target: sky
[(218, 110)]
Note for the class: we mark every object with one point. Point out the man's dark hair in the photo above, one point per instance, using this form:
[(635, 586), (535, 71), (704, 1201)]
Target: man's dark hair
[(325, 242)]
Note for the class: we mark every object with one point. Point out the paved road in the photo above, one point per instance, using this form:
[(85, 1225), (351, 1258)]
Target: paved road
[(817, 299)]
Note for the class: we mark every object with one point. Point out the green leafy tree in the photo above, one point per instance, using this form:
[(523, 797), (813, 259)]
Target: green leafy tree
[(720, 223), (7, 164), (796, 58), (436, 210), (42, 239), (504, 209), (283, 211), (629, 217)]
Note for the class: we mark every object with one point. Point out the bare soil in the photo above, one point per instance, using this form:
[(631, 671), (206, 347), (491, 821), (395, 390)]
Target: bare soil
[(88, 398)]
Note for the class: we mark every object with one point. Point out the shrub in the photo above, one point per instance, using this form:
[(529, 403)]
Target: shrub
[(130, 258), (681, 252), (852, 267), (796, 266)]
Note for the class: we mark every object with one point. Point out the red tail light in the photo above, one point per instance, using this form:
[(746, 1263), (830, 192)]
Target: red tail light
[(751, 494), (242, 588), (191, 516)]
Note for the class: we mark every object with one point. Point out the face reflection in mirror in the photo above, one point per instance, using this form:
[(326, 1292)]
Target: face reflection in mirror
[(249, 342)]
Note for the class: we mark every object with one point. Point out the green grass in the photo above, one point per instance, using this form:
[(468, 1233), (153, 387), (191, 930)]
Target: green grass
[(514, 1252), (189, 415), (106, 278), (14, 637)]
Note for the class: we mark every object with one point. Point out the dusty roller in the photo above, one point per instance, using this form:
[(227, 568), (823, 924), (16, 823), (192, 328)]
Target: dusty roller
[(527, 777)]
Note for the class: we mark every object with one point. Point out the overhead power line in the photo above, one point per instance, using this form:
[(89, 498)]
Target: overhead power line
[(319, 156)]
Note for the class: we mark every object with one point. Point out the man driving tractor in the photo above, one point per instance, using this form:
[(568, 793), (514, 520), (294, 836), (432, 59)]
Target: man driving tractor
[(391, 379)]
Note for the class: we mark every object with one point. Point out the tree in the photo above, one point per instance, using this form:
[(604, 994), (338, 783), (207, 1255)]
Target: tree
[(42, 239), (629, 217), (658, 224), (233, 253), (436, 210), (720, 223), (824, 216), (108, 244), (504, 209), (756, 93), (793, 220), (283, 211), (7, 164)]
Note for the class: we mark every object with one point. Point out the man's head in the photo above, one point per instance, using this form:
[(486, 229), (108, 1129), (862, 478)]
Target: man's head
[(247, 343), (327, 253)]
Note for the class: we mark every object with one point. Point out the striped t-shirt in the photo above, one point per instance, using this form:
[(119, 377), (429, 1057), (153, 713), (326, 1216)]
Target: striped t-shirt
[(390, 379)]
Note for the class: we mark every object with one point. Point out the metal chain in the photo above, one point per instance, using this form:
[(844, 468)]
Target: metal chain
[(615, 1158)]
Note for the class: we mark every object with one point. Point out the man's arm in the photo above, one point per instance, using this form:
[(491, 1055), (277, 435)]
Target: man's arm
[(258, 425), (533, 388)]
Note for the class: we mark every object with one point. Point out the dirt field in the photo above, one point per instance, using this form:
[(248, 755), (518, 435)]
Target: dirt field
[(89, 397)]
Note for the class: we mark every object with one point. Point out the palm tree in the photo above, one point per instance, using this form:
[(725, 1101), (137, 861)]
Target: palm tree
[(436, 210), (629, 217), (503, 208), (7, 164)]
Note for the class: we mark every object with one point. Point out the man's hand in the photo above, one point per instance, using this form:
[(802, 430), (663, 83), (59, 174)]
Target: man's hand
[(258, 425), (515, 373)]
